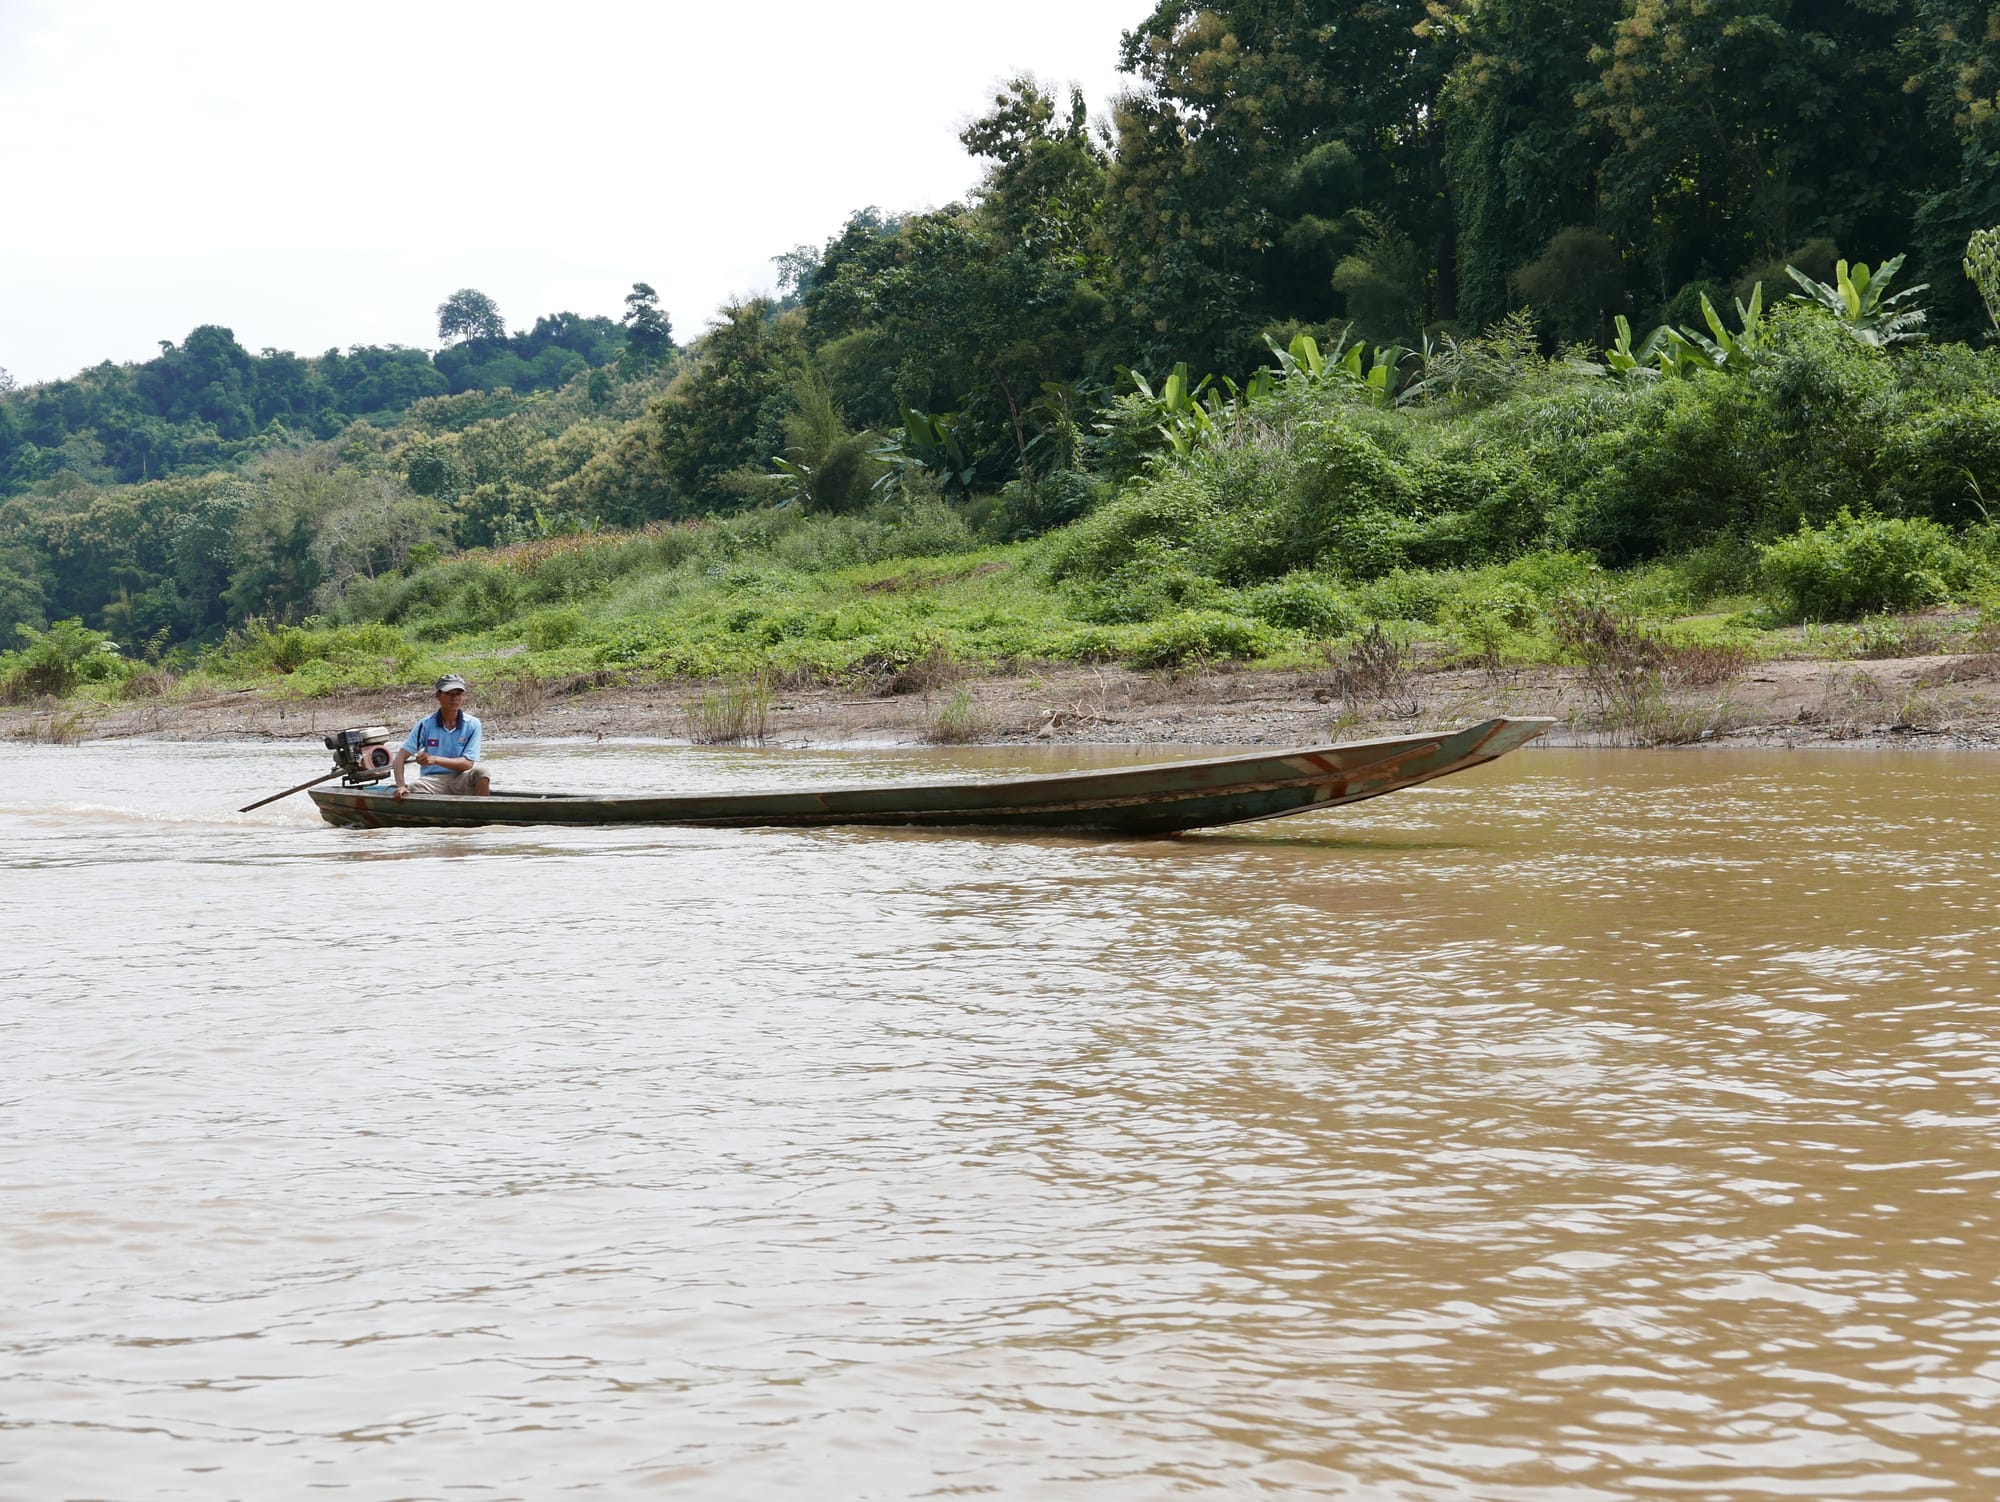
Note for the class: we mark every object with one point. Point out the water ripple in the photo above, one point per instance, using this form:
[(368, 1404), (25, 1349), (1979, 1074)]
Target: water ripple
[(1597, 1126)]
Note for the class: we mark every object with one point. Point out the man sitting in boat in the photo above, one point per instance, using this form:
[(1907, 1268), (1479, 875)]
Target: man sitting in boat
[(446, 745)]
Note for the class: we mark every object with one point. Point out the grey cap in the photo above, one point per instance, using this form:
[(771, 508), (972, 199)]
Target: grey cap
[(449, 682)]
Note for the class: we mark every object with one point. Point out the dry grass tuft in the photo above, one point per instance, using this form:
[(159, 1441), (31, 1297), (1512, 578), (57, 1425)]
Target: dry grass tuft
[(1374, 673), (1705, 664), (938, 667), (576, 684), (526, 557), (61, 728), (1885, 637), (961, 721), (1971, 668), (1629, 676), (732, 712), (1088, 707), (1849, 702), (1922, 710), (150, 683), (1661, 721), (522, 697)]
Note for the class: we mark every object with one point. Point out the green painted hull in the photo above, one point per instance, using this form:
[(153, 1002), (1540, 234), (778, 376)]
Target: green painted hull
[(1152, 800)]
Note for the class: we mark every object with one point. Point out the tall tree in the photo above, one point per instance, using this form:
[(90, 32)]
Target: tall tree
[(1520, 161), (1744, 127), (1260, 128), (1956, 51), (649, 336), (1044, 190), (469, 314)]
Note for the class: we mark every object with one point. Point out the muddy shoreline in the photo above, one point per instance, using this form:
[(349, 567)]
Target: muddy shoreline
[(1917, 701)]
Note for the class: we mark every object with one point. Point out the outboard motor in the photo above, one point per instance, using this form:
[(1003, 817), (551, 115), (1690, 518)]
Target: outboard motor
[(361, 756)]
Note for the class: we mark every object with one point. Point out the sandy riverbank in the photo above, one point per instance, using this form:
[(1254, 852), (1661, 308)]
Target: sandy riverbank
[(1935, 701)]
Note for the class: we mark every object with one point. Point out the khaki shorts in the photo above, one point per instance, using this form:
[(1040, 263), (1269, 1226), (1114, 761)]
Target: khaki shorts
[(451, 784)]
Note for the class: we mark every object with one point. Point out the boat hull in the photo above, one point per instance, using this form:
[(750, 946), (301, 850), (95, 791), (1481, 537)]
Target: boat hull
[(1152, 800)]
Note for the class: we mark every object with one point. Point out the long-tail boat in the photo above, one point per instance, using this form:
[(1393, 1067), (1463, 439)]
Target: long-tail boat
[(1163, 798)]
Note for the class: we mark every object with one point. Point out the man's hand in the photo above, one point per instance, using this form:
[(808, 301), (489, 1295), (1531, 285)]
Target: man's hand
[(423, 758), (401, 791)]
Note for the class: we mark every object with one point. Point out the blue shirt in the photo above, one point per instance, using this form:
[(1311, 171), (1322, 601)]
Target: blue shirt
[(461, 740)]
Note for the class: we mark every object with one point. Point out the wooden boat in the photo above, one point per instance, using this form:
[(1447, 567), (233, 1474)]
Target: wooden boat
[(1151, 800)]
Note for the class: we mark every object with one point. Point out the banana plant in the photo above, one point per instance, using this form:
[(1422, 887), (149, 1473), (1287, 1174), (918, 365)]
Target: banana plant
[(926, 440), (1624, 358), (796, 479), (1861, 300), (1674, 354), (1195, 427), (1301, 360), (1055, 439), (1185, 420), (1679, 354), (1727, 351), (1379, 380)]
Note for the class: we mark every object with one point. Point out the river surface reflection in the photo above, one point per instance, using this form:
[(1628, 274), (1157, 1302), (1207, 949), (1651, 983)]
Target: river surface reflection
[(1598, 1125)]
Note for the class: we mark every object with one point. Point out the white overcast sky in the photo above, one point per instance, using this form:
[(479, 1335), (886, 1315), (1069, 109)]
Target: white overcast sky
[(313, 175)]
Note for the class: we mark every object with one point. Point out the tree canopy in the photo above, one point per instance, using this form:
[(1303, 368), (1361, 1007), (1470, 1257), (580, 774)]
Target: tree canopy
[(469, 314), (1455, 176)]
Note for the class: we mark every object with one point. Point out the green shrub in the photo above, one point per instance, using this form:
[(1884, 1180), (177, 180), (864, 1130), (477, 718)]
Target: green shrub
[(1475, 506), (1302, 603), (1724, 567), (360, 643), (1859, 565), (1149, 518), (1144, 591), (59, 660), (288, 650), (1352, 496), (283, 649), (1055, 501), (1201, 636), (1576, 284), (1682, 461), (1506, 602), (488, 597), (546, 630), (632, 642), (1936, 457), (1404, 595), (1547, 573)]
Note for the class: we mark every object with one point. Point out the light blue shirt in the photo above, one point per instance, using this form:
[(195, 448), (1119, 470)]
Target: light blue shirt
[(461, 740)]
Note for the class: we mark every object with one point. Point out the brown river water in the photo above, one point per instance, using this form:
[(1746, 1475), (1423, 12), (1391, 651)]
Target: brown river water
[(1595, 1126)]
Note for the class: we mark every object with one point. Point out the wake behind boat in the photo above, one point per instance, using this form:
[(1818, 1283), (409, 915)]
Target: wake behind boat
[(1150, 800)]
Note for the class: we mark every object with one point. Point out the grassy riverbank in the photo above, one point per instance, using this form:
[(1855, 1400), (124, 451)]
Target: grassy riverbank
[(709, 630), (1817, 498)]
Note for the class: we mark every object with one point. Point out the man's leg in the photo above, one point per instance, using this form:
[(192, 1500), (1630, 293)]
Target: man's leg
[(474, 782)]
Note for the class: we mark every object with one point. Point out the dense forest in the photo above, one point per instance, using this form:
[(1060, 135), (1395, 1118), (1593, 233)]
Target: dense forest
[(1337, 288)]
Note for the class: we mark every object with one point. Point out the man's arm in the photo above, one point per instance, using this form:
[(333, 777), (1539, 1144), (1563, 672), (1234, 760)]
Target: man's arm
[(469, 752), (425, 759)]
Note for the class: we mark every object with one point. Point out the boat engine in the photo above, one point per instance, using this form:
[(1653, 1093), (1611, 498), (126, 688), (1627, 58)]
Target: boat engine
[(362, 756)]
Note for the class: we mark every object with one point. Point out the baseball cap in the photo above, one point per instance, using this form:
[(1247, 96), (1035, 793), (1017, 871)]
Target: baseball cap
[(449, 682)]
